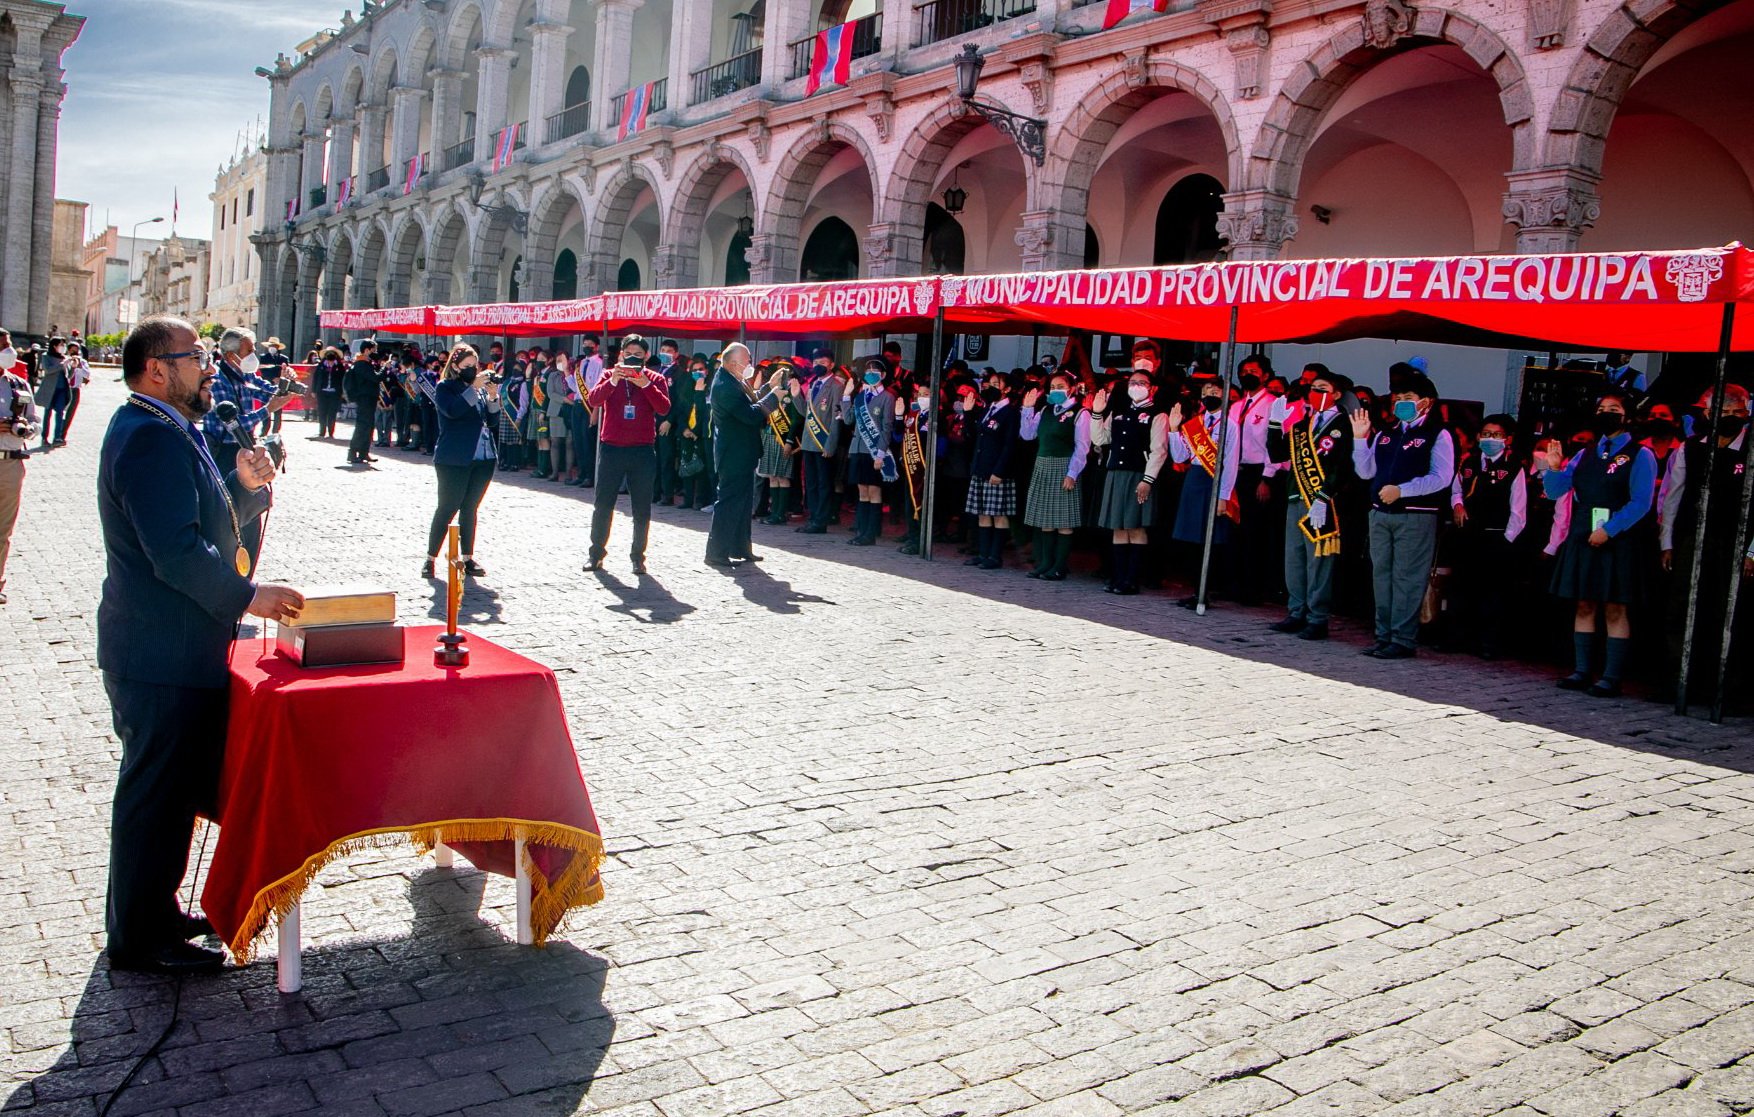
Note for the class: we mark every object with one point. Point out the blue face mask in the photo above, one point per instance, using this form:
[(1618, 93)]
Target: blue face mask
[(1492, 447), (1406, 410), (1056, 397), (873, 378), (700, 374)]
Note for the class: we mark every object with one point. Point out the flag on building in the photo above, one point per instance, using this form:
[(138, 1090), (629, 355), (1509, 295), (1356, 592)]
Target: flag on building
[(291, 210), (503, 149), (831, 61), (636, 106), (1121, 9), (416, 168), (343, 192)]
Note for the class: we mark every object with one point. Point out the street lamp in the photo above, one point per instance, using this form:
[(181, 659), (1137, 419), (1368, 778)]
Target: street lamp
[(517, 218), (1027, 132), (955, 197), (133, 236)]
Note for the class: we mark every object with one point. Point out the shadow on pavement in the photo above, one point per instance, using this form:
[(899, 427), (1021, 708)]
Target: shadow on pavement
[(763, 589), (480, 604), (452, 1016), (646, 601)]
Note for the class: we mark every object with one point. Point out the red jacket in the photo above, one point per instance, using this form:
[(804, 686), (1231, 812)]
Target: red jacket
[(612, 400)]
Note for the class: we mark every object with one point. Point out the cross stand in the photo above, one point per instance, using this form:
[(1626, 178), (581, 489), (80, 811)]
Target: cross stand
[(453, 646)]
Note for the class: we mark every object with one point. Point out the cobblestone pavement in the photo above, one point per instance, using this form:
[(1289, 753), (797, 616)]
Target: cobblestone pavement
[(889, 837)]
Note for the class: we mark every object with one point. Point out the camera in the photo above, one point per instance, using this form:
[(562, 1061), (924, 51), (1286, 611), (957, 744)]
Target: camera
[(496, 378)]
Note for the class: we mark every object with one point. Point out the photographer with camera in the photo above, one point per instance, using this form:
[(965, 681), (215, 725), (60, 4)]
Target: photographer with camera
[(18, 425), (466, 454), (257, 400), (630, 398)]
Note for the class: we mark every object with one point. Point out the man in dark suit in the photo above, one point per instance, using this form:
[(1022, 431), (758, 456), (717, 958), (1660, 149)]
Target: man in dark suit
[(361, 390), (178, 582), (738, 416)]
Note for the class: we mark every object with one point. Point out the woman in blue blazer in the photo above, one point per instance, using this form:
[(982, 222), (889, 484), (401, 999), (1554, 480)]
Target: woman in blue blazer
[(465, 456)]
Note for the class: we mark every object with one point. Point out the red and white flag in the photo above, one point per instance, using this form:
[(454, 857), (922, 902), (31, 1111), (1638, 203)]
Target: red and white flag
[(831, 61), (636, 106), (292, 209), (1121, 9), (416, 167), (343, 192), (506, 145)]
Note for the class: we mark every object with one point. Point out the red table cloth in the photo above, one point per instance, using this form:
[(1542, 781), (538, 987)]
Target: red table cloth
[(320, 763)]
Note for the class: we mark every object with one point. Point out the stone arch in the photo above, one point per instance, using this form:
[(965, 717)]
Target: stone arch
[(454, 50), (300, 117), (352, 90), (447, 230), (607, 224), (487, 246), (547, 217), (338, 262), (372, 239), (384, 70), (324, 105), (1314, 84), (782, 214), (1605, 69), (685, 227), (498, 21), (420, 55), (406, 239)]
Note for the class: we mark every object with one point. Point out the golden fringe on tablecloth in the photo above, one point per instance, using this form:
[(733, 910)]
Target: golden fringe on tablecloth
[(578, 885)]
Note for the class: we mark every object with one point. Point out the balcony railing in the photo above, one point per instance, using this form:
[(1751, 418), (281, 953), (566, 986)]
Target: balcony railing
[(660, 102), (937, 20), (460, 155), (319, 195), (727, 77), (569, 121), (425, 168), (377, 180), (867, 40)]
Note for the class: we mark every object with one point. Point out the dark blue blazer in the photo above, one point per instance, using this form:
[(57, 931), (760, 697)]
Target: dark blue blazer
[(172, 596), (737, 424), (459, 424)]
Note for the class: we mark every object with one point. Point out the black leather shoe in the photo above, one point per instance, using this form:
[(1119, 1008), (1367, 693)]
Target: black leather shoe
[(1290, 625), (426, 570), (811, 529), (1314, 632), (1395, 651), (474, 569), (1605, 688), (1374, 648), (908, 549), (195, 927), (639, 567), (1054, 576), (176, 959), (593, 565), (752, 558), (1574, 681), (722, 563), (975, 561)]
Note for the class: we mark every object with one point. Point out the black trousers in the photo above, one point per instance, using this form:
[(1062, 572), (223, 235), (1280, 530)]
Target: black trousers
[(173, 744), (328, 404), (638, 467), (818, 487), (460, 489), (733, 508), (364, 421)]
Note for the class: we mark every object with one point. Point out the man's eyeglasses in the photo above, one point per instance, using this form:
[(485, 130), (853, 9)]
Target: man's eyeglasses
[(203, 358)]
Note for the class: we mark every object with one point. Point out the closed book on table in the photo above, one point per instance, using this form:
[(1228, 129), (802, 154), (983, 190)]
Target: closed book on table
[(340, 645), (331, 605)]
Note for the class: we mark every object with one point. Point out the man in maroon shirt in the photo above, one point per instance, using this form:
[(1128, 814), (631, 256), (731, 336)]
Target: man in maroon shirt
[(630, 400)]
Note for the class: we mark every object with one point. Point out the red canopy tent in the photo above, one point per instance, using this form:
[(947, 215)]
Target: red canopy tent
[(400, 319)]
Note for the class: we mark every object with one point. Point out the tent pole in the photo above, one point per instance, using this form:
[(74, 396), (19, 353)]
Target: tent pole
[(931, 440), (1226, 361), (1723, 661), (1704, 483)]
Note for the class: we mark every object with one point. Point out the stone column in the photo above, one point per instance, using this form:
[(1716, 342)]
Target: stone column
[(494, 87), (885, 254), (48, 122), (666, 266), (610, 78), (484, 282), (341, 134), (1551, 208), (313, 169), (21, 204), (1257, 223), (691, 49), (547, 79), (1045, 241), (447, 112), (436, 288), (764, 258), (405, 108), (787, 20), (371, 140)]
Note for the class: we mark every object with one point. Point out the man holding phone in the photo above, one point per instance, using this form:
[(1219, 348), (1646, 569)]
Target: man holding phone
[(629, 399)]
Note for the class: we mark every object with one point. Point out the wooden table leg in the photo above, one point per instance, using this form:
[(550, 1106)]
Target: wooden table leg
[(291, 964), (523, 879)]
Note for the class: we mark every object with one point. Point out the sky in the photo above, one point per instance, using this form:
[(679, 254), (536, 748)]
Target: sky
[(157, 94)]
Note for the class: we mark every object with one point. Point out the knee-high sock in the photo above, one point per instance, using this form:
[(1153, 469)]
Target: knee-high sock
[(1583, 645), (1062, 545), (1615, 668)]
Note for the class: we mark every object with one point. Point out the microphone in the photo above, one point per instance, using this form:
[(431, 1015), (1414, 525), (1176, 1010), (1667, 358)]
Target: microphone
[(227, 413)]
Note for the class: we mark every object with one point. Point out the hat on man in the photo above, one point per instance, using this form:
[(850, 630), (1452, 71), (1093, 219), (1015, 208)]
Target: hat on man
[(274, 343)]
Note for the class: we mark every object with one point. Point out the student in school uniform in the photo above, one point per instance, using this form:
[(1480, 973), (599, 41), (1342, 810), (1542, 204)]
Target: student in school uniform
[(1612, 482), (1193, 442), (1316, 441), (1489, 505), (1137, 435), (1408, 467), (992, 493), (870, 460), (1059, 425), (821, 399)]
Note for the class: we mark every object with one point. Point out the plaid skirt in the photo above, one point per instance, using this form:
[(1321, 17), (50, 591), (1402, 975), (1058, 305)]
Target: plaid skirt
[(988, 499), (1050, 506), (509, 434), (774, 464)]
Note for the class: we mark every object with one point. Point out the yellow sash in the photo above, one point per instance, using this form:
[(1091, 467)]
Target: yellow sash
[(913, 459), (1310, 475)]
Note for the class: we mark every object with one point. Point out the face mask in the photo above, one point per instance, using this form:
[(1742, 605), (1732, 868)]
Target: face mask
[(1250, 383), (1138, 393), (468, 375), (700, 374), (873, 378), (666, 359), (1610, 422), (249, 365), (1406, 410), (1057, 398), (1491, 447), (1660, 428), (1321, 401), (1211, 403), (993, 395), (920, 404), (8, 358), (1729, 426)]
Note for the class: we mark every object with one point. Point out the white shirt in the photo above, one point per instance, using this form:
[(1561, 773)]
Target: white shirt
[(1519, 498), (1181, 452), (1250, 416)]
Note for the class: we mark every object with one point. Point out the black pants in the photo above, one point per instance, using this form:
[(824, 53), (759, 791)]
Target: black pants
[(732, 510), (818, 487), (364, 419), (173, 743), (637, 466), (460, 489), (328, 404), (584, 441)]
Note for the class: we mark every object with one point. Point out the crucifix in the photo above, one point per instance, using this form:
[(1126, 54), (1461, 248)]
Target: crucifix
[(453, 646)]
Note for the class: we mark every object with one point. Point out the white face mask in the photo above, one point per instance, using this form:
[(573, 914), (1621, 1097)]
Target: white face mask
[(8, 358), (249, 365), (1139, 392)]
